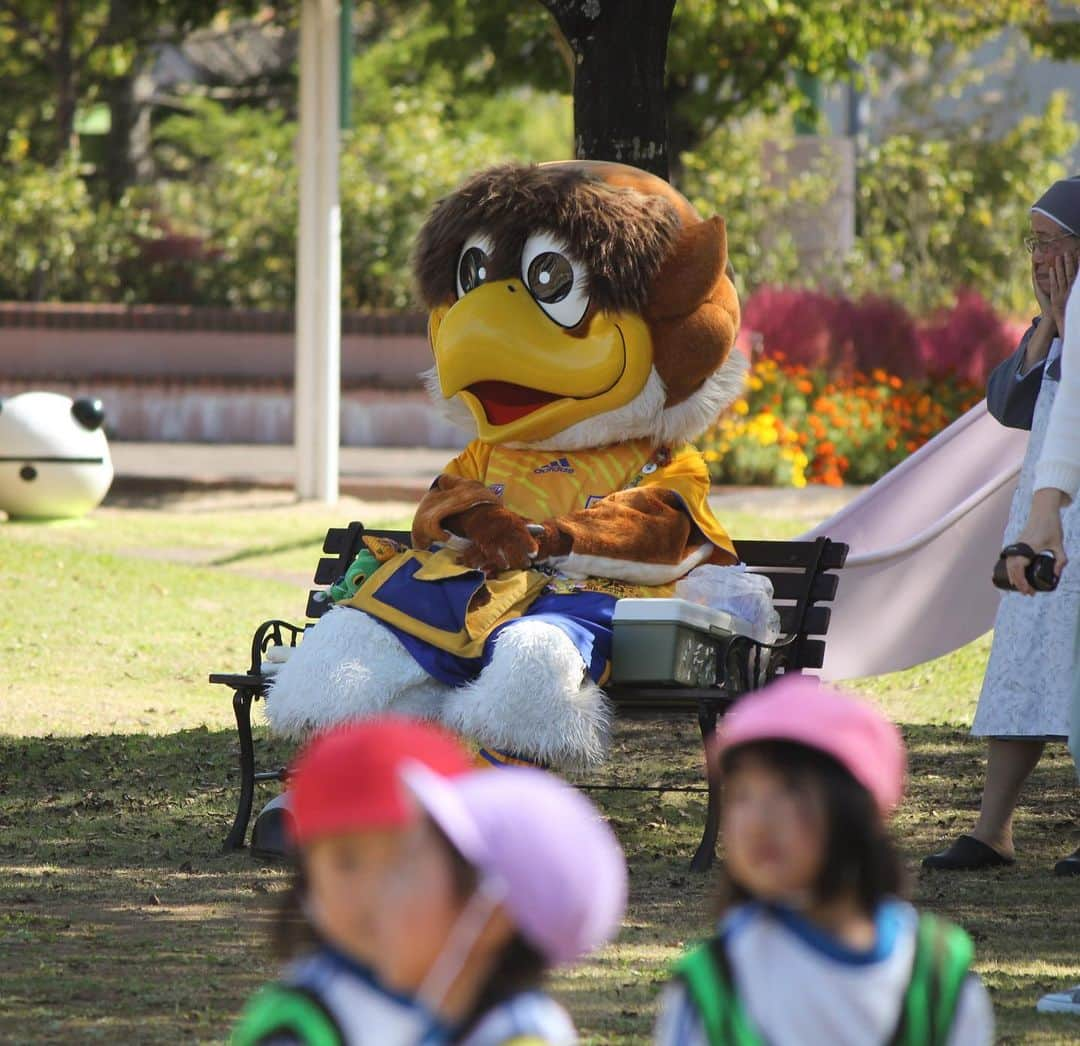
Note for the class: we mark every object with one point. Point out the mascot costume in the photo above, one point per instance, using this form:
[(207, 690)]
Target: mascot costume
[(582, 318)]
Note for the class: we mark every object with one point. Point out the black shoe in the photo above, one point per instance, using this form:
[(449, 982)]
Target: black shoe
[(1069, 865), (967, 854)]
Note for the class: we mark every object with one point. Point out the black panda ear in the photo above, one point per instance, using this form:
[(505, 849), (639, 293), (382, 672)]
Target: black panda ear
[(88, 413)]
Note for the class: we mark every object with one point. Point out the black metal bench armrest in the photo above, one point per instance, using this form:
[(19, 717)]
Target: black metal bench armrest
[(272, 633)]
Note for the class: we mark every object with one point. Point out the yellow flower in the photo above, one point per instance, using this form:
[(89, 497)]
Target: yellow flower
[(742, 407)]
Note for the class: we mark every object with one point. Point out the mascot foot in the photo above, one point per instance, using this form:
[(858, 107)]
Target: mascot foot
[(270, 836), (347, 667), (534, 700)]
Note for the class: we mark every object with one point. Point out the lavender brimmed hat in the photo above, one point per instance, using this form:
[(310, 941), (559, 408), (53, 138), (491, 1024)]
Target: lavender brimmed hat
[(552, 858)]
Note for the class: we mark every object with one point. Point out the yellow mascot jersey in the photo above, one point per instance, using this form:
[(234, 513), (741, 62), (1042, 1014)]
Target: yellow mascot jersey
[(541, 484)]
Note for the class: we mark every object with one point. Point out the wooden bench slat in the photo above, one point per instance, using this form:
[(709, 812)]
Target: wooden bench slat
[(778, 553), (317, 604), (328, 571), (834, 556), (815, 623), (824, 588), (793, 586), (811, 654), (335, 540)]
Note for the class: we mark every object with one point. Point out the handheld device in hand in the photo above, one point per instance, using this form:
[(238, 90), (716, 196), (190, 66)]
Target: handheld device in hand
[(1039, 571)]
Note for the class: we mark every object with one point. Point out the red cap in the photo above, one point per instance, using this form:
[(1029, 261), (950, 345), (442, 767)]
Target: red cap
[(347, 778)]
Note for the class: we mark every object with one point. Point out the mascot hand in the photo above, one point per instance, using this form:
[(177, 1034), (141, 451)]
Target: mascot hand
[(500, 539)]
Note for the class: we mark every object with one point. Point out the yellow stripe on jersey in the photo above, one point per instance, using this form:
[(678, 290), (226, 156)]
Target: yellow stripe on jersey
[(541, 484)]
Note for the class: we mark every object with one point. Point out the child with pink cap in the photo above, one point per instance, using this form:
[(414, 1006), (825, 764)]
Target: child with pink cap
[(505, 875), (814, 945), (347, 819)]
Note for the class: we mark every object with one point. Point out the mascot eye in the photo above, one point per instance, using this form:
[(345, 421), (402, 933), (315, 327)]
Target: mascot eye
[(555, 280), (550, 277), (474, 264)]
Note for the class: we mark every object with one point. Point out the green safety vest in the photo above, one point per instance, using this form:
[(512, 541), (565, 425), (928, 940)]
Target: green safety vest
[(278, 1009), (943, 956)]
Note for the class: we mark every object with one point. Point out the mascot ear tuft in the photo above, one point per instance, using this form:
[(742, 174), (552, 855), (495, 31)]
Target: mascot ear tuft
[(690, 272)]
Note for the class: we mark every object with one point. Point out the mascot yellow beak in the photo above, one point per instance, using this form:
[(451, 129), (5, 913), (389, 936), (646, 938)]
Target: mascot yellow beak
[(525, 378)]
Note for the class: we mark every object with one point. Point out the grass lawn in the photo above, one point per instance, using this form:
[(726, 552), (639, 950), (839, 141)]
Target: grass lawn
[(121, 920)]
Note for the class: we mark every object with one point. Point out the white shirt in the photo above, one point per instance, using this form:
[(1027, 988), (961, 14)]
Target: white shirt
[(800, 987), (531, 1016), (1059, 463)]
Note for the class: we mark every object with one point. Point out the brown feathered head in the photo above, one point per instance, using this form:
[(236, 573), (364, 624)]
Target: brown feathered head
[(577, 304)]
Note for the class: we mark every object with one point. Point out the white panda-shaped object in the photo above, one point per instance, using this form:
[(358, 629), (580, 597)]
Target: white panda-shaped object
[(54, 458)]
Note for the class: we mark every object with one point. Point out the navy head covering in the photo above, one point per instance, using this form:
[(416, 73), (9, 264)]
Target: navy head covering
[(1061, 202)]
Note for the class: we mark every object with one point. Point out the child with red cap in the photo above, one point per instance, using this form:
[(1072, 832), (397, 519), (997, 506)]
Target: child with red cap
[(815, 945), (505, 875), (348, 815)]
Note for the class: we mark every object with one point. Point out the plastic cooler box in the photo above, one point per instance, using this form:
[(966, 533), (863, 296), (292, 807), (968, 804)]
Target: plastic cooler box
[(672, 642)]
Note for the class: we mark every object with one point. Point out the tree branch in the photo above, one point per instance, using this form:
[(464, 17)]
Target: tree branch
[(23, 25)]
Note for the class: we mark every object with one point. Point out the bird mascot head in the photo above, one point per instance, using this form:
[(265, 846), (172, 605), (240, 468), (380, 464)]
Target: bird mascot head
[(577, 304)]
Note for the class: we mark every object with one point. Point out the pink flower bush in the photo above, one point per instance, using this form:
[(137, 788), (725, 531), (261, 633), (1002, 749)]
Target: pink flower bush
[(817, 330)]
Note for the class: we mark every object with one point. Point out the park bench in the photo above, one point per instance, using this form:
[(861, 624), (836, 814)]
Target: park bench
[(804, 582)]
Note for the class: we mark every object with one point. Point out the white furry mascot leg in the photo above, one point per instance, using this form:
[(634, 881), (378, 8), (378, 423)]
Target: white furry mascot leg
[(533, 699), (350, 666)]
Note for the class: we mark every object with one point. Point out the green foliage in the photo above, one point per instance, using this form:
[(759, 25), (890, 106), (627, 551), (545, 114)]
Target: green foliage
[(235, 185), (726, 59), (54, 242), (61, 53), (741, 171), (949, 210)]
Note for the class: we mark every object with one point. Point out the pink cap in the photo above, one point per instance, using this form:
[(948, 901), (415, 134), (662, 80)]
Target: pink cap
[(852, 731), (555, 862)]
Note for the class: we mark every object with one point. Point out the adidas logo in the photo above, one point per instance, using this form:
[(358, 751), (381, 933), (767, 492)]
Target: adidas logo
[(558, 465)]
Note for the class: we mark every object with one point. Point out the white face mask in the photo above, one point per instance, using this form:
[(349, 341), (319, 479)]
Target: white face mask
[(459, 944)]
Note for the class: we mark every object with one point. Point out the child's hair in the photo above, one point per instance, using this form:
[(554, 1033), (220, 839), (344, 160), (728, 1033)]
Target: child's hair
[(518, 967), (292, 933), (860, 856)]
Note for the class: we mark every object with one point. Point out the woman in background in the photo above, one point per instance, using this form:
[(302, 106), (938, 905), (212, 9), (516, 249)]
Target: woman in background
[(1026, 690)]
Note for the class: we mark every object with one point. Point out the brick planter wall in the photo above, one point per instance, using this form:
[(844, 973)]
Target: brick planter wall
[(169, 342), (216, 375)]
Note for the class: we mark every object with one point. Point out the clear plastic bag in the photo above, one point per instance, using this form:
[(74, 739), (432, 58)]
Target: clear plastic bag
[(737, 591)]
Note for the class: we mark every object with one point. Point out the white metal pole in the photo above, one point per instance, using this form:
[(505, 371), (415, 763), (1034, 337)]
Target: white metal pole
[(317, 390)]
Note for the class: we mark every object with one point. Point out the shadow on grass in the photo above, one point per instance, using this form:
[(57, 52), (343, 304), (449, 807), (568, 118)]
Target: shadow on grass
[(122, 919)]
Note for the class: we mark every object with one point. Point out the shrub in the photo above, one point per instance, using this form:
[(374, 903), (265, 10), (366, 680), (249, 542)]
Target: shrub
[(967, 341), (843, 337), (55, 243)]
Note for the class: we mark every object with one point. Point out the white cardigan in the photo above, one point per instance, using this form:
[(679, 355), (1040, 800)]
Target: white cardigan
[(1059, 464)]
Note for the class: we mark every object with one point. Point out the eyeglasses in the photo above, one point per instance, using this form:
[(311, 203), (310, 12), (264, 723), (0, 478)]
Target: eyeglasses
[(1033, 243)]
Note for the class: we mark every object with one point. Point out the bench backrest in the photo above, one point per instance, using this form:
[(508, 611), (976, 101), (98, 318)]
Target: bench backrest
[(801, 573)]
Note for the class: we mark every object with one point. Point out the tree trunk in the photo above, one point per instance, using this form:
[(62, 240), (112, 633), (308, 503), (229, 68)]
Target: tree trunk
[(620, 47), (118, 92), (119, 170), (66, 74)]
